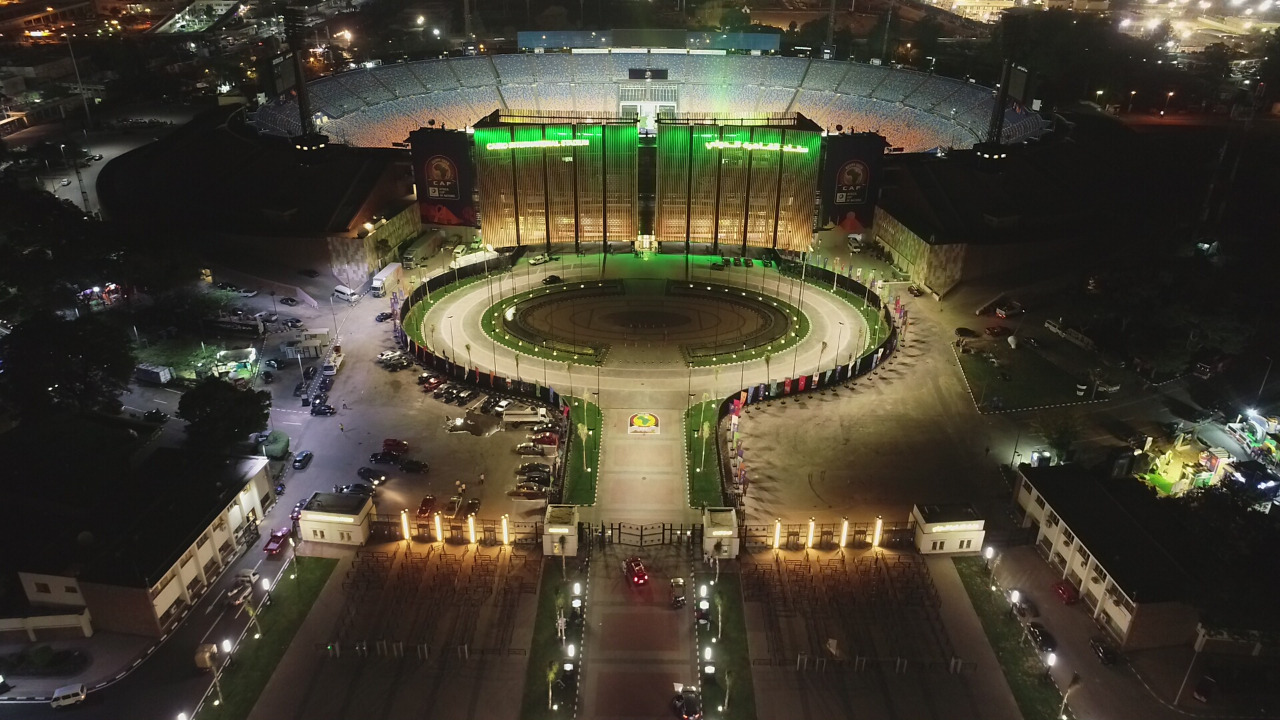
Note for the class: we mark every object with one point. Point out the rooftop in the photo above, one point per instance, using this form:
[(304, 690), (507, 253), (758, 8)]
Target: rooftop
[(562, 514), (949, 512), (1139, 565), (336, 503), (129, 530)]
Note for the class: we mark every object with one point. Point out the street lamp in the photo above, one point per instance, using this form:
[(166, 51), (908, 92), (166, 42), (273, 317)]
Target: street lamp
[(1131, 94), (1167, 98), (1050, 660)]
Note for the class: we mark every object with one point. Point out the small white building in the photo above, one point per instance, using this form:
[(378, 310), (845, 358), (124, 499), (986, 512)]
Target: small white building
[(720, 532), (949, 528), (339, 518), (560, 531)]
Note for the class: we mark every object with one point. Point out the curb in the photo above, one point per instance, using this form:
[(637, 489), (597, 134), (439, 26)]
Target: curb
[(974, 400)]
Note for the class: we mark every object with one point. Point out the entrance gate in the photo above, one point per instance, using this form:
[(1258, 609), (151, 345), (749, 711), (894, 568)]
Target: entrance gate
[(645, 535)]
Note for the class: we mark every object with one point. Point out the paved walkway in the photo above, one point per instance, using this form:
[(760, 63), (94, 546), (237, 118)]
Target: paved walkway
[(986, 679), (109, 655)]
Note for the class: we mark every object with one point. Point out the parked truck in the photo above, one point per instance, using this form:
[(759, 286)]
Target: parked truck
[(389, 279), (525, 415), (488, 256), (153, 374), (417, 253)]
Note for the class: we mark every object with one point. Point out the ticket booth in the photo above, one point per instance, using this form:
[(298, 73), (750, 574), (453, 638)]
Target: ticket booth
[(560, 531)]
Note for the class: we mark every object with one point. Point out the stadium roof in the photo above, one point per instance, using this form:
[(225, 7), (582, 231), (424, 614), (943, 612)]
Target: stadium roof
[(1040, 193), (1140, 566), (204, 175)]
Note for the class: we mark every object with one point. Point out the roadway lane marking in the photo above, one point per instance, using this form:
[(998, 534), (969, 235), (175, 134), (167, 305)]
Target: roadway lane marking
[(175, 392), (162, 402), (290, 423)]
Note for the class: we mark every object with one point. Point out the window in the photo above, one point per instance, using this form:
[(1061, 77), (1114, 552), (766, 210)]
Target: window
[(1067, 537), (1039, 502), (1053, 519), (1100, 574), (1084, 556), (966, 544), (939, 544), (317, 534), (344, 536), (71, 590), (43, 588)]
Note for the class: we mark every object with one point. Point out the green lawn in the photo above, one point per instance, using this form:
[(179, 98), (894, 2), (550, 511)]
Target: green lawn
[(580, 479), (1033, 380), (729, 652), (181, 354), (546, 648), (704, 472), (255, 660), (1037, 697), (412, 323)]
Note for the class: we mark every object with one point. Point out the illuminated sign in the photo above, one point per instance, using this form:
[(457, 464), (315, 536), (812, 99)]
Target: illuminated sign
[(956, 527), (739, 145), (526, 144)]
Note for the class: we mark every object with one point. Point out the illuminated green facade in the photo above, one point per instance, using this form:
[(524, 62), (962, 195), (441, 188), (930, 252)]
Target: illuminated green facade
[(750, 183), (556, 179)]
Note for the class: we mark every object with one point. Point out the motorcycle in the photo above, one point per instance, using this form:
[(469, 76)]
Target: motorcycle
[(268, 377), (279, 489)]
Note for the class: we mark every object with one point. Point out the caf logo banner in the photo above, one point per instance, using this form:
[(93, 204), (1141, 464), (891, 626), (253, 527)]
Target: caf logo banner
[(442, 178), (852, 182)]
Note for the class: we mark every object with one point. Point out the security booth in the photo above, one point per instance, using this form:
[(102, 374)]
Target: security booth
[(720, 532), (948, 528), (560, 531), (339, 518)]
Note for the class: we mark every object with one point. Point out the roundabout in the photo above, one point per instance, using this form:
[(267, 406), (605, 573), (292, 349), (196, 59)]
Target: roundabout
[(636, 339), (696, 323)]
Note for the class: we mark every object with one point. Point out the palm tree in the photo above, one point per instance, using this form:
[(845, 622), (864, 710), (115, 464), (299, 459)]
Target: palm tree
[(768, 372), (552, 669), (719, 614), (468, 347), (821, 350), (728, 688), (433, 338)]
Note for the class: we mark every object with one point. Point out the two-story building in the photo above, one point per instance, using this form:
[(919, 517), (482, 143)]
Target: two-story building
[(136, 556), (1130, 584)]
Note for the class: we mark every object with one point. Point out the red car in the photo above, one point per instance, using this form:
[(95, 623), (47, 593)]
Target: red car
[(277, 541), (393, 445), (431, 383), (1066, 592), (427, 506), (633, 569), (545, 439), (997, 331)]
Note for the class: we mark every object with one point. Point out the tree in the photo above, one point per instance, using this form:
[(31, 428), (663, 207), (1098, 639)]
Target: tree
[(1060, 431), (67, 364), (729, 677), (735, 19), (219, 414)]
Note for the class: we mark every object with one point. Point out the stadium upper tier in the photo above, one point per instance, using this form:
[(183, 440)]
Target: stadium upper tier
[(379, 106)]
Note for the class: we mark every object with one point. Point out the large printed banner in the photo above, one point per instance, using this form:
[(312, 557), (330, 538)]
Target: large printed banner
[(444, 176), (851, 178)]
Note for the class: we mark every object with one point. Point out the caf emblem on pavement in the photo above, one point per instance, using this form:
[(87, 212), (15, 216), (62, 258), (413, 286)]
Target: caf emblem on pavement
[(643, 424)]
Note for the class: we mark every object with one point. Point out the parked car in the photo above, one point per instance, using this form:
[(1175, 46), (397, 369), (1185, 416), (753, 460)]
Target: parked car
[(473, 505), (540, 259), (414, 466), (292, 323), (1066, 592), (384, 458), (687, 704), (289, 301), (450, 393), (748, 262), (717, 266), (398, 364), (427, 506), (276, 542), (373, 476), (915, 291), (382, 316), (356, 489), (531, 467), (502, 405), (633, 570), (538, 478), (395, 445), (442, 389), (386, 355), (997, 331), (527, 491), (428, 379), (546, 438), (297, 510), (454, 504), (528, 449), (239, 593), (551, 280), (322, 409), (303, 459), (465, 397), (228, 287), (156, 416), (266, 316), (1106, 654), (309, 372), (247, 293), (1043, 639), (545, 427), (737, 262), (1009, 309)]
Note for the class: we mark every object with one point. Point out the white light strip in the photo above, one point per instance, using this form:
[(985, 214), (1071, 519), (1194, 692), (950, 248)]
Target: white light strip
[(739, 145)]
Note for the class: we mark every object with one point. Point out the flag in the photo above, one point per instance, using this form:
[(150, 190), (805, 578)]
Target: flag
[(802, 379), (787, 387)]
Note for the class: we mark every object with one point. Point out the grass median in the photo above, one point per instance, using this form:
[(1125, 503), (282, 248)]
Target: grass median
[(1037, 697), (1017, 379), (546, 654), (700, 455), (255, 660), (729, 652), (584, 456)]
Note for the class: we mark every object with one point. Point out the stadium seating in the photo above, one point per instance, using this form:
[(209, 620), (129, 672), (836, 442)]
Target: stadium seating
[(914, 111)]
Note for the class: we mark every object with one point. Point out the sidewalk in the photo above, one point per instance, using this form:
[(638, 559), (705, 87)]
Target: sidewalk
[(110, 656), (285, 692), (990, 690)]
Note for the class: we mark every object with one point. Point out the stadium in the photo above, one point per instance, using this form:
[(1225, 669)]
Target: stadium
[(915, 112)]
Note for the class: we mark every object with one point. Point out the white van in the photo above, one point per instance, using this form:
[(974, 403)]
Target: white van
[(342, 292), (68, 695)]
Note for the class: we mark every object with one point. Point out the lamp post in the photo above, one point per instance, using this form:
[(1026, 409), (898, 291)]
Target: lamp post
[(1050, 660), (450, 319), (1131, 94), (1167, 98)]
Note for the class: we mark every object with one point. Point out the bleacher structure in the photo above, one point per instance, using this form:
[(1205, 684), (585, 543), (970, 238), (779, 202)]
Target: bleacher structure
[(375, 107)]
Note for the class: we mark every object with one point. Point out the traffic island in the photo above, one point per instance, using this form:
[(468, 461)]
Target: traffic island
[(584, 453), (700, 423), (727, 691), (254, 660), (551, 680), (1037, 697)]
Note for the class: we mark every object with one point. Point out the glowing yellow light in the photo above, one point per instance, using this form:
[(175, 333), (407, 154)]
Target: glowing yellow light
[(439, 530), (471, 528), (844, 532), (809, 542), (875, 539), (404, 523), (777, 533), (506, 539), (749, 146), (532, 144)]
